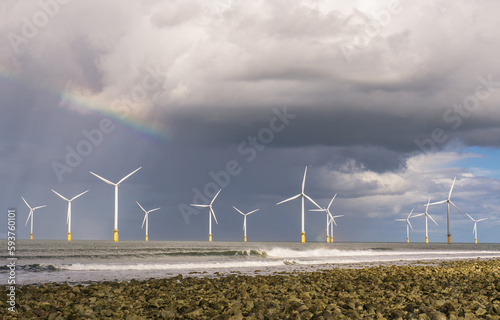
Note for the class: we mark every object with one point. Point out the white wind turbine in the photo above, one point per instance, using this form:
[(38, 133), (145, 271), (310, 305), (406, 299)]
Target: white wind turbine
[(117, 185), (32, 210), (330, 220), (475, 226), (146, 218), (302, 233), (428, 215), (408, 224), (448, 201), (245, 221), (210, 214), (68, 217)]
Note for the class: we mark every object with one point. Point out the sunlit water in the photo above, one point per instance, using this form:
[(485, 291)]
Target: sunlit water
[(88, 261)]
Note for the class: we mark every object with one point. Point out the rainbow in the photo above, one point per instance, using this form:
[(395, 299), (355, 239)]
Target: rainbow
[(81, 102)]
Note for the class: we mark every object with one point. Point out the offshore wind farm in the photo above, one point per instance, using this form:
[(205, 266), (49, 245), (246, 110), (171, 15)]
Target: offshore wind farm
[(330, 219)]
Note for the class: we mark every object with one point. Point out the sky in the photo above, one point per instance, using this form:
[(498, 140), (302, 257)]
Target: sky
[(385, 103)]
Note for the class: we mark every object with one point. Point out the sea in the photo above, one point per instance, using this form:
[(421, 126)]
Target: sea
[(88, 261)]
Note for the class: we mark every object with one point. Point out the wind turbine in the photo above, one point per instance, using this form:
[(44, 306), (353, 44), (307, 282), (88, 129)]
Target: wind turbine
[(475, 226), (31, 216), (302, 233), (245, 221), (210, 214), (329, 220), (448, 201), (428, 215), (408, 224), (117, 185), (146, 218), (68, 217)]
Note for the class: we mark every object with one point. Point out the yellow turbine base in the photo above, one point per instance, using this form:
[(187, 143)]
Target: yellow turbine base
[(303, 237), (146, 237), (31, 236), (331, 239), (426, 240), (328, 239), (245, 239), (475, 241), (69, 236), (407, 240), (449, 239), (115, 235), (209, 238)]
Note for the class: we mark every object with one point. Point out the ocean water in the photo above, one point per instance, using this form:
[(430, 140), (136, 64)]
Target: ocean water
[(85, 261)]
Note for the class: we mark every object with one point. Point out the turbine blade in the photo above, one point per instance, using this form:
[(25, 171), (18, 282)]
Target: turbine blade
[(439, 202), (417, 215), (399, 219), (428, 204), (81, 194), (331, 201), (144, 220), (409, 215), (309, 198), (213, 213), (304, 180), (432, 219), (60, 195), (457, 208), (140, 206), (451, 189), (317, 209), (105, 180), (215, 196), (29, 215), (409, 223), (253, 211), (200, 205), (333, 220), (482, 219), (469, 216), (39, 207), (238, 210), (153, 210), (123, 179), (292, 198), (338, 216), (26, 203)]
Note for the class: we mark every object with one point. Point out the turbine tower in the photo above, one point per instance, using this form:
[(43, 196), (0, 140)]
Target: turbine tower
[(475, 226), (68, 217), (303, 195), (448, 202), (330, 220), (146, 218), (245, 221), (117, 185), (210, 214), (32, 210), (408, 224)]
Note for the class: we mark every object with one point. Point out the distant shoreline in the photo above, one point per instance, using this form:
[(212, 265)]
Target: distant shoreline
[(419, 289)]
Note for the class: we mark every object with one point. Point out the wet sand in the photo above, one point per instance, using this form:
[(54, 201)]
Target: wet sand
[(467, 289)]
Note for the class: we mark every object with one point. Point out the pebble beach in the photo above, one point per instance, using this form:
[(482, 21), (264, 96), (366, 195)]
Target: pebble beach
[(465, 289)]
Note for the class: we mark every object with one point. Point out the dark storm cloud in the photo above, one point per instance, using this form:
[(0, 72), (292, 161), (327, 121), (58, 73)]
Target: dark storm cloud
[(380, 95)]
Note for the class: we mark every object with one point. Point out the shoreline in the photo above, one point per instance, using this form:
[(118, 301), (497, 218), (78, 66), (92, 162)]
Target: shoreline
[(419, 289)]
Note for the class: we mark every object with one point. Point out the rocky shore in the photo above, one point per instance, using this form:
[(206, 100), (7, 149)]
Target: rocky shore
[(446, 290)]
